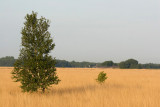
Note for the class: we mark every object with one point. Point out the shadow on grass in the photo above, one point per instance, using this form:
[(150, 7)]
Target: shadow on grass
[(70, 90), (86, 88)]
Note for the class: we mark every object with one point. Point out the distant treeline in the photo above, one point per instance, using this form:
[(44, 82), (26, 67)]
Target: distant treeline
[(133, 64), (64, 63), (8, 61)]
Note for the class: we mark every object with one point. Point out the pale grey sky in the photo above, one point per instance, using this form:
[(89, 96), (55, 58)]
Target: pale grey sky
[(88, 30)]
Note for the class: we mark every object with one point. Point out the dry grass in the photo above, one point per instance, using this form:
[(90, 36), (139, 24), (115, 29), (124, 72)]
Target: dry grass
[(78, 88)]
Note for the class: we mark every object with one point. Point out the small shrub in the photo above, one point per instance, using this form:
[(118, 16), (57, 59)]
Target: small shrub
[(101, 77)]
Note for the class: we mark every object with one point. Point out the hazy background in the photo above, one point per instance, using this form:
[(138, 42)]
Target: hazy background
[(88, 30)]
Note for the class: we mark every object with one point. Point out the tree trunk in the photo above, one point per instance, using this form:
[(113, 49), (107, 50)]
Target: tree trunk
[(43, 90)]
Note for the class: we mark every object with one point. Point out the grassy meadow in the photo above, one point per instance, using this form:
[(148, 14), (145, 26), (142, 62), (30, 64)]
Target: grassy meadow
[(78, 88)]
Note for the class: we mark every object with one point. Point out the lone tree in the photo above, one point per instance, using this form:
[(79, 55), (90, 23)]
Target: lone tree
[(35, 68), (101, 77)]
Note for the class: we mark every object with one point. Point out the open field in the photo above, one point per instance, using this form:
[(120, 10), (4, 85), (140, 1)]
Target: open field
[(78, 88)]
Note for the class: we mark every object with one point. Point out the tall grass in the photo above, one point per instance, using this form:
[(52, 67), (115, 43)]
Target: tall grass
[(78, 88)]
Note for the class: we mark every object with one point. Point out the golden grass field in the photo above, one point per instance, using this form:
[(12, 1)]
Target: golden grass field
[(78, 88)]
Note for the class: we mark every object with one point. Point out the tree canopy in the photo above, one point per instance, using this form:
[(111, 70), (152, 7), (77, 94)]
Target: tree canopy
[(107, 64), (129, 64), (35, 68)]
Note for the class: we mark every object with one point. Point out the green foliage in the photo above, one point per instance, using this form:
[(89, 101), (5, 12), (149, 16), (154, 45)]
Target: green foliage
[(150, 66), (129, 64), (107, 64), (35, 68), (83, 64), (63, 63), (123, 65), (7, 61), (101, 77)]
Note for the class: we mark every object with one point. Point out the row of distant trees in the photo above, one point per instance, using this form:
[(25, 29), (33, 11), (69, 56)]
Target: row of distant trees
[(134, 64), (64, 63), (8, 61)]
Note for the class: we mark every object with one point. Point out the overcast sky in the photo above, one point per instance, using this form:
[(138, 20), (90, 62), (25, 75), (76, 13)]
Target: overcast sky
[(88, 30)]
